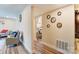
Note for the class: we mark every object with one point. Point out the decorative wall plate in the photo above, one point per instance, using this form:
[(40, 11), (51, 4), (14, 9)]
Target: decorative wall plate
[(20, 18), (59, 13), (48, 16), (48, 25), (53, 19), (59, 25)]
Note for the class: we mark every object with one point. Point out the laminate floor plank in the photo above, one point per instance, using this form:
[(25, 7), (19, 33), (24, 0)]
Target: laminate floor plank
[(40, 48), (13, 50)]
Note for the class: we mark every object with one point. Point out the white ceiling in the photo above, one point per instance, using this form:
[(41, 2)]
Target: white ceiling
[(39, 9), (11, 10)]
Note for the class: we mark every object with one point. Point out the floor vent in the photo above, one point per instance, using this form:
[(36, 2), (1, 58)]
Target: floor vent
[(62, 45)]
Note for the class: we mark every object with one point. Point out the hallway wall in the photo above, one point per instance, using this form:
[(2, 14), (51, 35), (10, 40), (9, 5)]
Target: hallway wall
[(25, 27), (65, 34)]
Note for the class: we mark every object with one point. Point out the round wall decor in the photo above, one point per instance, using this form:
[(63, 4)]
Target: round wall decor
[(48, 25), (48, 16), (59, 25), (59, 13), (20, 17), (53, 19)]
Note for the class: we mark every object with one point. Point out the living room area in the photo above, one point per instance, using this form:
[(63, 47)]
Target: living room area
[(12, 36)]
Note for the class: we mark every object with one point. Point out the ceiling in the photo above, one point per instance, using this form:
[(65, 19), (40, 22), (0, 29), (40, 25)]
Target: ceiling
[(39, 9), (11, 10)]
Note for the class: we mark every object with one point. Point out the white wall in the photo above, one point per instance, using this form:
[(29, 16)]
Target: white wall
[(25, 26), (66, 33), (10, 24), (76, 6)]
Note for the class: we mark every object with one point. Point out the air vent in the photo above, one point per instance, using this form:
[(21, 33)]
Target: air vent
[(61, 45)]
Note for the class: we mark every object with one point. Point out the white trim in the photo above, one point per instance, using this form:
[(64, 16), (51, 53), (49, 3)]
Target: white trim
[(27, 49)]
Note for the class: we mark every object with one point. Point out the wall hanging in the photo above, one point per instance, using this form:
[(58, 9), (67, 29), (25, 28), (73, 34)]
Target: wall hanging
[(48, 25), (48, 16), (59, 13), (59, 25), (53, 19), (20, 18)]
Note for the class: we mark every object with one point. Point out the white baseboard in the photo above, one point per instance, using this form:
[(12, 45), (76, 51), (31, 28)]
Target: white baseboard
[(27, 49)]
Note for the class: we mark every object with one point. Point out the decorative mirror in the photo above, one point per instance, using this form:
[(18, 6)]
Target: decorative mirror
[(59, 13), (20, 18), (48, 25), (59, 25), (48, 16), (53, 19)]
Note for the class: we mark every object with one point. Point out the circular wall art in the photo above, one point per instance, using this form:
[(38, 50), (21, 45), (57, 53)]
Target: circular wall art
[(59, 25), (53, 19), (20, 17), (48, 25), (59, 13), (48, 16)]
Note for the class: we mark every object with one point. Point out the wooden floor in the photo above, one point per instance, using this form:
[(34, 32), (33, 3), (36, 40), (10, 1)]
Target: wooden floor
[(77, 46), (39, 48), (13, 50)]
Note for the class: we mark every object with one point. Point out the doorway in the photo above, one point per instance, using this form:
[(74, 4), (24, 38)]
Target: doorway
[(39, 28), (38, 35), (77, 31)]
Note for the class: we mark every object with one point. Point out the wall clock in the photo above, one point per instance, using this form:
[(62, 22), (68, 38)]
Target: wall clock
[(48, 16), (48, 25), (59, 25), (59, 13), (53, 19)]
